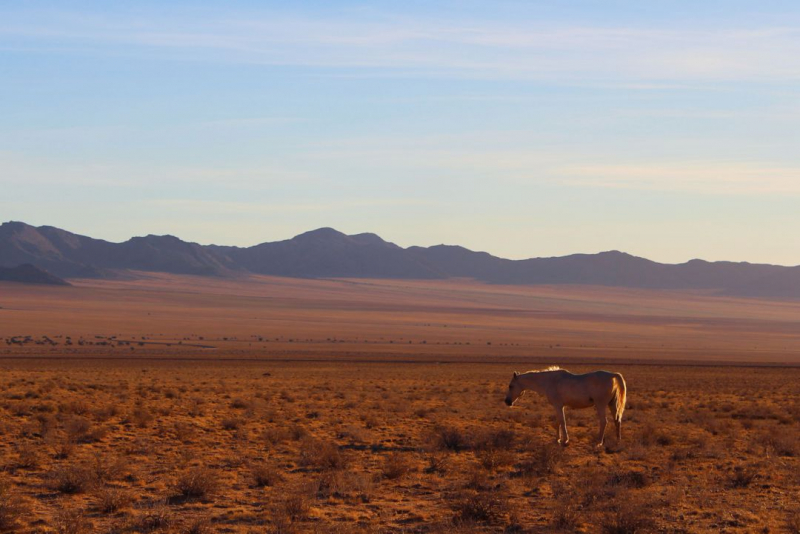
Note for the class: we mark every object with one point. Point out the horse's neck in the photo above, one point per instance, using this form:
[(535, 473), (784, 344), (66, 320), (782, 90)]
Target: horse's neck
[(534, 382)]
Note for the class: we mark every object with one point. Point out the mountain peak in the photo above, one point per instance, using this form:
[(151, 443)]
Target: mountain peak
[(324, 234)]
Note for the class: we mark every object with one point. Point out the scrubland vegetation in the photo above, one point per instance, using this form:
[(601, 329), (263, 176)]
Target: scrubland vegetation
[(195, 447)]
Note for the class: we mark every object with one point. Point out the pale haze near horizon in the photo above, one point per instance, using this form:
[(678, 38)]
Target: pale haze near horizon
[(666, 130)]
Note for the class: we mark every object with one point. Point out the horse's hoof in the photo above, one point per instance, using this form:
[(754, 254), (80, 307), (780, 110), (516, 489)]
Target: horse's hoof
[(564, 443)]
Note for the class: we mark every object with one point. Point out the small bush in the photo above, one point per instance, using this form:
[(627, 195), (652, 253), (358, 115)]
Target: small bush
[(265, 475), (12, 508), (628, 516), (28, 459), (296, 506), (629, 479), (743, 476), (201, 525), (450, 438), (323, 455), (793, 522), (72, 522), (231, 423), (395, 466), (195, 483), (565, 517), (493, 459), (71, 479), (437, 463), (479, 508), (140, 417), (544, 459), (503, 439), (156, 517), (111, 500)]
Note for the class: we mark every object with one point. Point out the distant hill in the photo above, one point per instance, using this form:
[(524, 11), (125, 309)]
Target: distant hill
[(327, 253), (30, 274)]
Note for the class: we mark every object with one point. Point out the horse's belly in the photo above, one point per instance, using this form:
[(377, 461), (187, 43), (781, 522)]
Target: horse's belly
[(580, 403)]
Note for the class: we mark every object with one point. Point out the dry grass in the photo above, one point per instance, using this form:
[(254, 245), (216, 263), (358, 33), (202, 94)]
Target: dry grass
[(408, 441), (470, 464)]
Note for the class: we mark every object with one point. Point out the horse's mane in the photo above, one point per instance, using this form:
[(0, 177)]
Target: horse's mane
[(547, 369)]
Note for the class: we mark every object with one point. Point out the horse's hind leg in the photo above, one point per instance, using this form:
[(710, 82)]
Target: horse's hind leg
[(617, 423), (602, 421)]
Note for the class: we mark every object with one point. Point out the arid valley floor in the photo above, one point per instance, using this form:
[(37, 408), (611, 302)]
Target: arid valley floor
[(184, 404)]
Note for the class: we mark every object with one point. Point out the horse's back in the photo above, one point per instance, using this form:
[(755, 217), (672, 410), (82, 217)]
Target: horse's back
[(584, 390)]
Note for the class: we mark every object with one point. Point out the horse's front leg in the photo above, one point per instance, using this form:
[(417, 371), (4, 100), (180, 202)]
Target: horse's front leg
[(602, 421), (562, 425), (557, 426)]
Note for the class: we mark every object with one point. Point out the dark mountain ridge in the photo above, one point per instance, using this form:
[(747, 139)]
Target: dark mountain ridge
[(328, 253), (30, 274)]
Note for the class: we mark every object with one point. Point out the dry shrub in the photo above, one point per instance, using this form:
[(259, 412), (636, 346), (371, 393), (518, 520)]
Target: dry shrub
[(449, 438), (493, 459), (265, 475), (566, 516), (477, 507), (320, 454), (231, 423), (80, 430), (478, 479), (502, 439), (743, 476), (437, 463), (344, 485), (195, 483), (201, 525), (184, 432), (72, 522), (155, 517), (107, 469), (111, 500), (141, 417), (12, 508), (780, 443), (628, 515), (28, 459), (274, 436), (395, 466), (651, 434), (793, 522), (295, 506), (71, 479), (629, 479), (544, 459)]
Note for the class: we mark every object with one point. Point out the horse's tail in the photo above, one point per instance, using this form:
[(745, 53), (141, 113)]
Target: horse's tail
[(619, 396)]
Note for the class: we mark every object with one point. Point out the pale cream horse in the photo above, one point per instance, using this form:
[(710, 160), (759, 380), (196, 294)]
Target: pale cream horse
[(600, 389)]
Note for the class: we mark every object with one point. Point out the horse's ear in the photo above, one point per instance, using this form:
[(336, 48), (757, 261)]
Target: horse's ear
[(516, 373)]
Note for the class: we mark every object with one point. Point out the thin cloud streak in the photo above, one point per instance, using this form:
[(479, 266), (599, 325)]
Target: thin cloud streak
[(431, 48), (728, 178)]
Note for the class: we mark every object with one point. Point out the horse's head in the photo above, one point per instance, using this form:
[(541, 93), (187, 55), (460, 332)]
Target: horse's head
[(515, 390)]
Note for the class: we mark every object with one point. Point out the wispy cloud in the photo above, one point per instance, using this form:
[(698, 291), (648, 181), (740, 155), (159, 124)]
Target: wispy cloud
[(638, 56), (724, 178), (219, 207)]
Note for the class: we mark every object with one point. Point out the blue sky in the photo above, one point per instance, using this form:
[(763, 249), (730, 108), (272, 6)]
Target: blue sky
[(669, 130)]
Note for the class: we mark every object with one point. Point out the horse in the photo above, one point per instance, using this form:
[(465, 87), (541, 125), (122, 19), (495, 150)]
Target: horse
[(600, 389)]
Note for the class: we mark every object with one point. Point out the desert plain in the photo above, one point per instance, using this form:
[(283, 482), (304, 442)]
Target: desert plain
[(164, 403)]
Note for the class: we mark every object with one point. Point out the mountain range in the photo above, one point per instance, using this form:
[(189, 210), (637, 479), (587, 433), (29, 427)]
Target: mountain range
[(327, 253)]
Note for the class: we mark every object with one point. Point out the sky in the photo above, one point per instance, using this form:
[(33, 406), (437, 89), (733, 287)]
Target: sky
[(666, 129)]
